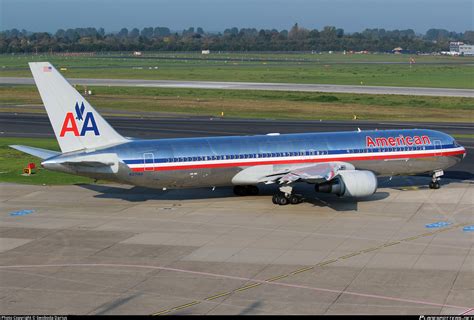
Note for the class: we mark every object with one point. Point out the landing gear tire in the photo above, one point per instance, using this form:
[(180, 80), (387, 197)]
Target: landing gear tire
[(285, 196), (435, 177), (294, 199), (275, 199), (282, 200), (434, 185)]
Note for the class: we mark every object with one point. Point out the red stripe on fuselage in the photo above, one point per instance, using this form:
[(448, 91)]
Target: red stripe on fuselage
[(257, 163)]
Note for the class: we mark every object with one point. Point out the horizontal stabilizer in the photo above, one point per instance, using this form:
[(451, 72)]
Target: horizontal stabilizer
[(37, 152), (88, 163), (99, 163)]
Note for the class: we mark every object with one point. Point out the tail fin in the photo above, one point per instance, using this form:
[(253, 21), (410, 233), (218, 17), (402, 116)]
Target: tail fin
[(76, 124)]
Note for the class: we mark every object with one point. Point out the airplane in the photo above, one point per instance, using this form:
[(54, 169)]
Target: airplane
[(342, 163)]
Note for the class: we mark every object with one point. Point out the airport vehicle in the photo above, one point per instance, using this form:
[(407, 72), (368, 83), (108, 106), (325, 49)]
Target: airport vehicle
[(343, 163)]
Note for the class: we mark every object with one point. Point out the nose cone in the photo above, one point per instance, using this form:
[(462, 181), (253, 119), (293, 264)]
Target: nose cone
[(461, 155)]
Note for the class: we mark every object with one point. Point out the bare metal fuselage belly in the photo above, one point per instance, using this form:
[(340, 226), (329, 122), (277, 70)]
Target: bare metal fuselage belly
[(209, 177)]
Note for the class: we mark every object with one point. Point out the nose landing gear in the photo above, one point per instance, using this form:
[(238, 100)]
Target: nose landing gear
[(434, 185), (435, 178)]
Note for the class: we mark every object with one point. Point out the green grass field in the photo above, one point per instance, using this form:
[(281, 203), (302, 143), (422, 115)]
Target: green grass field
[(463, 136), (12, 163), (448, 72), (254, 104)]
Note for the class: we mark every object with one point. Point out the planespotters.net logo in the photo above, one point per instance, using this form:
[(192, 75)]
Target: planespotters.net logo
[(70, 123), (459, 317)]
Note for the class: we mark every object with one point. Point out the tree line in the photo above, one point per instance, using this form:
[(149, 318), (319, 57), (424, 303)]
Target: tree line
[(297, 38)]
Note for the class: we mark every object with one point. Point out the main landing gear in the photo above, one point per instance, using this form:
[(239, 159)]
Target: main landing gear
[(286, 196), (246, 190), (283, 197), (435, 178)]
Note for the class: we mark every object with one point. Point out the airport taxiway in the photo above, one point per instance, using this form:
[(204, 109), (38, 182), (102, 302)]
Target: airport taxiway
[(156, 126), (359, 89), (112, 249)]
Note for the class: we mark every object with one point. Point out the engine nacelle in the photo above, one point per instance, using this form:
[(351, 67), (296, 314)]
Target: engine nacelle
[(350, 183)]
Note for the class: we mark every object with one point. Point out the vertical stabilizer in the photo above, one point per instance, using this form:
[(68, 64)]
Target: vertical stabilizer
[(76, 124)]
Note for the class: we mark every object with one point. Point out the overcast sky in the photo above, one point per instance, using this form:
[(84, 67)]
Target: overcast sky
[(216, 15)]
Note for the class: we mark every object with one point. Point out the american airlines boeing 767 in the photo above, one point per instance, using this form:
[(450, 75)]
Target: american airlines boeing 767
[(343, 163)]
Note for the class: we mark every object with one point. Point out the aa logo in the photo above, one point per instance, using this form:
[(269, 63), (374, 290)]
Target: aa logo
[(70, 123)]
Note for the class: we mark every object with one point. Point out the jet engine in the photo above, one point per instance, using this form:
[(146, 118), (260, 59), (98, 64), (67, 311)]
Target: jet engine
[(350, 183)]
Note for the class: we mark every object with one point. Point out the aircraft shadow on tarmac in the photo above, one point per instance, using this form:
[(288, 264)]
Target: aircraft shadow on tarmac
[(141, 194), (460, 175), (422, 181), (405, 183), (109, 307), (251, 309)]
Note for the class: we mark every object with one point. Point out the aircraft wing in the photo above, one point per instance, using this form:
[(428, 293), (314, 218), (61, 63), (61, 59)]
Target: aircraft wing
[(315, 173)]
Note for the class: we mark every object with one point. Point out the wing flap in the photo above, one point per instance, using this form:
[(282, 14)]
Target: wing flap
[(315, 173)]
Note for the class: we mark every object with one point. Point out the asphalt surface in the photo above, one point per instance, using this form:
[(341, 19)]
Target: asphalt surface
[(38, 125), (258, 86), (114, 249)]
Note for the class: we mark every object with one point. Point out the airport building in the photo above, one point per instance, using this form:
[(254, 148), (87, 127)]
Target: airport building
[(454, 46), (459, 48), (466, 50)]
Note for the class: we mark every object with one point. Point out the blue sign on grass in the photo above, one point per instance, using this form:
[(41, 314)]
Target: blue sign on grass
[(439, 224), (21, 212)]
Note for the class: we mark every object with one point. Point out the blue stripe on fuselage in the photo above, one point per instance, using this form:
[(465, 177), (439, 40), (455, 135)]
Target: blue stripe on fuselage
[(326, 143), (196, 158)]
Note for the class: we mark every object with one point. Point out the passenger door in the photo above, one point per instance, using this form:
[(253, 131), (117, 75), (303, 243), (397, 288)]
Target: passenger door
[(148, 161), (437, 147)]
